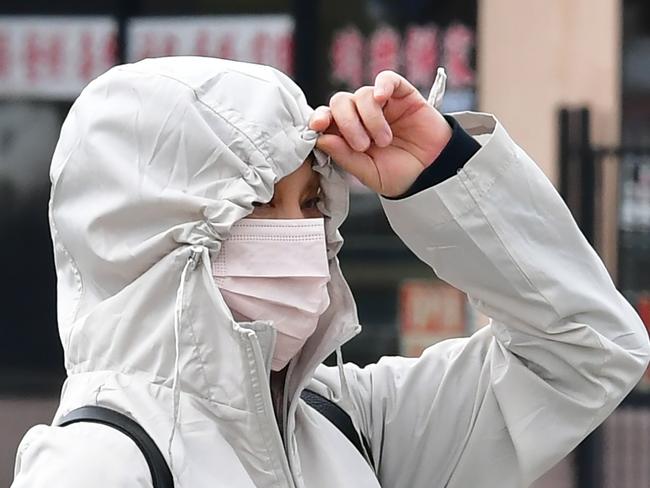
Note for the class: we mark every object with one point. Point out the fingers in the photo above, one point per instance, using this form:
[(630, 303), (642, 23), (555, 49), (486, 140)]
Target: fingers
[(389, 84), (360, 118), (372, 117), (320, 119), (344, 112), (354, 162)]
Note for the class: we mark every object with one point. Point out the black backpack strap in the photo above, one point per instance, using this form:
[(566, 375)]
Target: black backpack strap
[(335, 414), (160, 473)]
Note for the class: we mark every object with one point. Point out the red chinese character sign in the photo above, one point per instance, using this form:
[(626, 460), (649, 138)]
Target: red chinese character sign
[(347, 57), (421, 54), (384, 50), (265, 39), (54, 57), (458, 46), (356, 59)]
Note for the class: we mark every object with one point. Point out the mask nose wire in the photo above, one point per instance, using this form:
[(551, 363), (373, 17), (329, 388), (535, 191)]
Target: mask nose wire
[(190, 265)]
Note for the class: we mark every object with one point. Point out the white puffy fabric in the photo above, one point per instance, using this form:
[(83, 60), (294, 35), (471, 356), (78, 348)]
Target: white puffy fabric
[(157, 160)]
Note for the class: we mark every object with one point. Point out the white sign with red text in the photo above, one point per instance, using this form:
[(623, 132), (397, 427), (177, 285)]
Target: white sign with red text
[(53, 57), (265, 39), (416, 51)]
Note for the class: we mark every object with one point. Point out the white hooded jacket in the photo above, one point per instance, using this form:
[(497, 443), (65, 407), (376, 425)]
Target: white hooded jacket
[(157, 160)]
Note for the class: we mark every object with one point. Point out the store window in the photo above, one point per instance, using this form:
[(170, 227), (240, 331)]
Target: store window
[(46, 59)]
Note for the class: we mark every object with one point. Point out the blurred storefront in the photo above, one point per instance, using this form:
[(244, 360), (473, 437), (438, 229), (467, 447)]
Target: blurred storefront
[(49, 52), (46, 59)]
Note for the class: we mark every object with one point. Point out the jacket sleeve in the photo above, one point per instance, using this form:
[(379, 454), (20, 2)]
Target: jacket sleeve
[(79, 456), (562, 349)]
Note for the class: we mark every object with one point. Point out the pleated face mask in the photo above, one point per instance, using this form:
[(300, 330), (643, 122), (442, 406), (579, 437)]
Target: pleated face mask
[(277, 270)]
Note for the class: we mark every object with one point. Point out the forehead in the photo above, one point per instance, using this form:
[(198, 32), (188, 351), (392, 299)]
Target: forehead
[(302, 179)]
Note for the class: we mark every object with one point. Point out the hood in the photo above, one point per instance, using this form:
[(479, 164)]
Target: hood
[(155, 162)]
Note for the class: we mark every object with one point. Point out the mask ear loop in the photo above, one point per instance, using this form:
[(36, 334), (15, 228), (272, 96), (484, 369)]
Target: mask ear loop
[(190, 265), (438, 89)]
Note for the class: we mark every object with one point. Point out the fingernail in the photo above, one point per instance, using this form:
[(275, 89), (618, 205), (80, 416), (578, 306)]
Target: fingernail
[(361, 144), (385, 137)]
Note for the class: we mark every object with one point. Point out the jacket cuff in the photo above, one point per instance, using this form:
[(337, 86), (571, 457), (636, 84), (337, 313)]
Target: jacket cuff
[(460, 148)]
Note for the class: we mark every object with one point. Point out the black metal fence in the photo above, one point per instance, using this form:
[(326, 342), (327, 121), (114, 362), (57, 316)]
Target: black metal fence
[(616, 455)]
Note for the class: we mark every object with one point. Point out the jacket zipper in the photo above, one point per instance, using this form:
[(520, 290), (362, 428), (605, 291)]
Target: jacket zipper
[(289, 443), (269, 415)]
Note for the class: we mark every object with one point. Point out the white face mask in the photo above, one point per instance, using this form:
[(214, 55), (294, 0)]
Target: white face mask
[(271, 269)]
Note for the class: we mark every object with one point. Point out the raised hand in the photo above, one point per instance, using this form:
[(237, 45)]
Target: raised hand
[(385, 135)]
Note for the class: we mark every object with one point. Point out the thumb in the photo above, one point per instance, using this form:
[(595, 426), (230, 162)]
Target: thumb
[(358, 164)]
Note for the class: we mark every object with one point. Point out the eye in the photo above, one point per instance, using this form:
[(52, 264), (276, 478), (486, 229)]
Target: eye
[(312, 203)]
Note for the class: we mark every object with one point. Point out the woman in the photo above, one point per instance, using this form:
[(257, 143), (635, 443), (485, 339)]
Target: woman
[(194, 217)]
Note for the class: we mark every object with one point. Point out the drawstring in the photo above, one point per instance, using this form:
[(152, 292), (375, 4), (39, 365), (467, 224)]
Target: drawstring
[(438, 88), (190, 265), (344, 382)]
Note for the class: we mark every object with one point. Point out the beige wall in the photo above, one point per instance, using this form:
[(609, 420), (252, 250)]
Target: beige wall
[(537, 55)]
